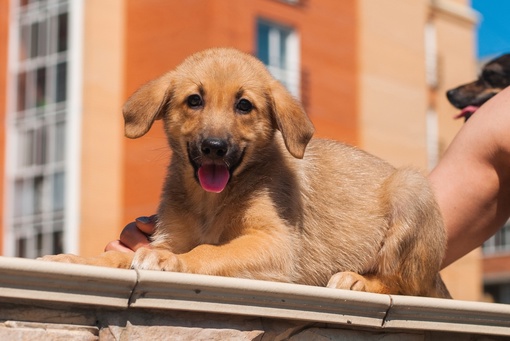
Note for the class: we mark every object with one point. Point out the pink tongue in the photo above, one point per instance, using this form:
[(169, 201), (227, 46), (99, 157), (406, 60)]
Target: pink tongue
[(213, 178), (467, 110)]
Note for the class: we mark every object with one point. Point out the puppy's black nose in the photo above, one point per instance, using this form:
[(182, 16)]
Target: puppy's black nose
[(214, 147), (454, 98)]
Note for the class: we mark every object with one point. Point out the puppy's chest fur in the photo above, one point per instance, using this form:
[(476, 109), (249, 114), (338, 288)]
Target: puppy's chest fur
[(265, 196), (184, 223)]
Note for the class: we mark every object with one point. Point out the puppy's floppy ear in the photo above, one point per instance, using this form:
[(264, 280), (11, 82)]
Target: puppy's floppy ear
[(291, 120), (146, 105)]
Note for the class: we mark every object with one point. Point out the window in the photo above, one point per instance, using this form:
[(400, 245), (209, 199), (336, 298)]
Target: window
[(278, 49), (500, 242), (500, 292), (38, 120)]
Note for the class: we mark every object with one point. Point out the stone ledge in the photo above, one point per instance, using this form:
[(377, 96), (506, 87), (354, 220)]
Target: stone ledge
[(33, 280), (95, 302)]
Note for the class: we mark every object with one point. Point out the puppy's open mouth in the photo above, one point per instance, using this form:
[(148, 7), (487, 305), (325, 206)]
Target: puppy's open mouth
[(467, 112), (214, 172)]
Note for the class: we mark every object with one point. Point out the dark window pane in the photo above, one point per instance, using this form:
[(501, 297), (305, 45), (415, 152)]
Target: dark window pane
[(61, 91), (22, 94), (41, 146), (41, 87), (284, 35), (62, 32), (39, 241), (38, 194), (42, 39), (18, 198), (58, 240), (263, 43), (34, 40), (21, 247), (28, 150), (58, 191), (31, 89), (60, 136)]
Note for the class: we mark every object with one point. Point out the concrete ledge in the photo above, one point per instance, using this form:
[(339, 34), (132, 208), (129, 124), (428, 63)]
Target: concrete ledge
[(118, 300), (448, 315), (32, 280), (258, 298)]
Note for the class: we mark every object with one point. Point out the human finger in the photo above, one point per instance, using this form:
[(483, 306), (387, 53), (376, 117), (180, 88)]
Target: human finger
[(146, 224), (133, 237), (117, 245)]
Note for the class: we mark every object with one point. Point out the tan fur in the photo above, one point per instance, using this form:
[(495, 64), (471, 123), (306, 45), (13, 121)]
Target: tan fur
[(295, 210)]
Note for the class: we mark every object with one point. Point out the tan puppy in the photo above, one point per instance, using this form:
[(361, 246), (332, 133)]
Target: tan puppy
[(243, 198)]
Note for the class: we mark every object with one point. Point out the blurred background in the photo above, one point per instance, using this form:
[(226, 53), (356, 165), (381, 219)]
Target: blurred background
[(372, 73)]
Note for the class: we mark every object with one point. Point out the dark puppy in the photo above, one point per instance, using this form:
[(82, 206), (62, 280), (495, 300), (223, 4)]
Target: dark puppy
[(495, 76)]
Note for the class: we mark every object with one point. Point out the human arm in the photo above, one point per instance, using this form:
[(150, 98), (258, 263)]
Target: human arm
[(472, 180)]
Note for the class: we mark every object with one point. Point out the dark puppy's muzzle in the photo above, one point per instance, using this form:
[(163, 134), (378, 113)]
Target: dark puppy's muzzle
[(451, 95)]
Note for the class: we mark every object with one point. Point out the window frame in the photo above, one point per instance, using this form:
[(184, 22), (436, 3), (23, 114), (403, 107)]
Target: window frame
[(27, 169), (499, 243), (287, 68)]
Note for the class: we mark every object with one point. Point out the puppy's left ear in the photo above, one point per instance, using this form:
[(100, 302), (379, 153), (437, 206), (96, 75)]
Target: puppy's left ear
[(146, 105), (291, 120)]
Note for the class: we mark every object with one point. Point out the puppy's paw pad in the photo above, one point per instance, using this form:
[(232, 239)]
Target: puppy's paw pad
[(348, 281)]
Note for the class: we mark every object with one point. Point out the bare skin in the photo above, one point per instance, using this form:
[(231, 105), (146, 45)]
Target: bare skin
[(134, 235), (471, 182)]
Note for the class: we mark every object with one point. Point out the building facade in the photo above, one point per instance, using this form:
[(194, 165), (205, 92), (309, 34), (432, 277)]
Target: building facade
[(370, 73)]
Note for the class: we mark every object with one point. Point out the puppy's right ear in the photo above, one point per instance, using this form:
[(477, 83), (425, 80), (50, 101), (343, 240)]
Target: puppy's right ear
[(146, 105), (291, 120)]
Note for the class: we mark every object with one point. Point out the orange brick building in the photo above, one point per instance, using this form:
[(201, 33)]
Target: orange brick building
[(371, 73)]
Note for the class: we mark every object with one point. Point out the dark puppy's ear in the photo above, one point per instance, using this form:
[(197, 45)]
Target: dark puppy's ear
[(291, 120), (146, 105)]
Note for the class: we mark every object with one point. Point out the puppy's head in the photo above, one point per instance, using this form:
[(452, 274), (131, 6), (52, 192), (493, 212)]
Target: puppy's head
[(220, 109), (495, 76)]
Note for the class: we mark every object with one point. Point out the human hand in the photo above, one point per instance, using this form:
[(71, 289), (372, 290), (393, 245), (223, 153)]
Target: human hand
[(135, 235)]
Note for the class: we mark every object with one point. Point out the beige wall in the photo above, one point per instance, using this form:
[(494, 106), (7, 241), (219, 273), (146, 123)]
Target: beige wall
[(464, 277), (102, 125), (392, 99), (457, 63)]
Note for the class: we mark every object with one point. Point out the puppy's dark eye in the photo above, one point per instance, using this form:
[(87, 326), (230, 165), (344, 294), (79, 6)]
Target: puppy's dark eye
[(244, 106), (194, 101)]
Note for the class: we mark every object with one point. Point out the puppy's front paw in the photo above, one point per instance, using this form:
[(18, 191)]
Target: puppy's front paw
[(348, 280), (153, 259), (63, 258)]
